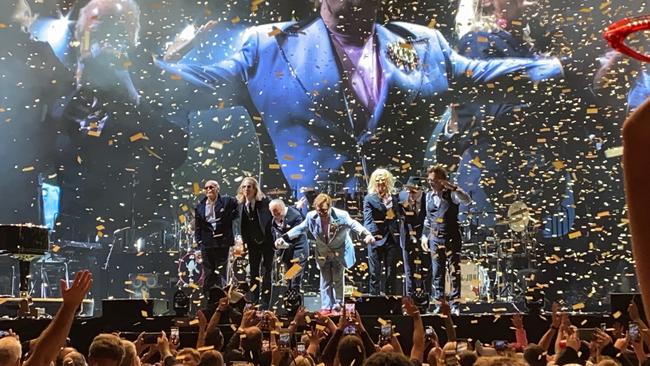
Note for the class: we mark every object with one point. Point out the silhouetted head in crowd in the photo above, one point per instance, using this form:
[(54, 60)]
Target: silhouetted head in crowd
[(62, 354), (75, 358), (351, 351), (500, 361), (106, 350), (130, 355), (214, 338), (303, 361), (467, 358), (211, 358), (387, 348), (10, 351), (189, 357), (387, 359), (535, 355)]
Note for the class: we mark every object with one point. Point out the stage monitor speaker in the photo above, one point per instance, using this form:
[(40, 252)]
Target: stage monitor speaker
[(379, 305), (619, 301), (133, 308)]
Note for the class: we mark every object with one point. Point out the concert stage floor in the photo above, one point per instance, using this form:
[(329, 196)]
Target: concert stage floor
[(482, 327)]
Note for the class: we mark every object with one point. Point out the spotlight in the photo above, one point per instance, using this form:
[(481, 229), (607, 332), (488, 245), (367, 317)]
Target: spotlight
[(420, 299), (181, 303), (292, 301)]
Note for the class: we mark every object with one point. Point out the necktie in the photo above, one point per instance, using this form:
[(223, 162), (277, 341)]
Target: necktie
[(249, 208)]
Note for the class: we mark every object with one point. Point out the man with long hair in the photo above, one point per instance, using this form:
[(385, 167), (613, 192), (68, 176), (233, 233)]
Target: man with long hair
[(255, 231), (381, 216), (329, 228)]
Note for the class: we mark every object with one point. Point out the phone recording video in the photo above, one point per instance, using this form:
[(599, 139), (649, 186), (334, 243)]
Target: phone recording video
[(386, 330), (300, 347), (633, 331), (284, 341), (174, 336), (350, 329)]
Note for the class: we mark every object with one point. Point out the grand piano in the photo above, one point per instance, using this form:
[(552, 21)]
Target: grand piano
[(26, 243)]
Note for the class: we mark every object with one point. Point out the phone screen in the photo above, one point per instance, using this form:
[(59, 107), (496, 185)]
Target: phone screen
[(386, 330), (284, 340), (500, 346), (349, 309), (300, 347), (635, 336), (174, 335), (350, 329), (428, 331)]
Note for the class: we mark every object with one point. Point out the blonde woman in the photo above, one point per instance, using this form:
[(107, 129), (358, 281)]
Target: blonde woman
[(381, 215), (253, 228)]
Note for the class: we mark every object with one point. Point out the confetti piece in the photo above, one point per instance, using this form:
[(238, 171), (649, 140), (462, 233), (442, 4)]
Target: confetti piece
[(138, 136), (293, 271)]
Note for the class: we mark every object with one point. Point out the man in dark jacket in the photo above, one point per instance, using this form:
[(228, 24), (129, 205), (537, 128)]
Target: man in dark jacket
[(284, 219), (213, 232)]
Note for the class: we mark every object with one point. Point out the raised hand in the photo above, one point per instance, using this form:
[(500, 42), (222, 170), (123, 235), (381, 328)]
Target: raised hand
[(556, 317), (409, 307), (633, 312), (518, 321), (224, 304), (74, 295)]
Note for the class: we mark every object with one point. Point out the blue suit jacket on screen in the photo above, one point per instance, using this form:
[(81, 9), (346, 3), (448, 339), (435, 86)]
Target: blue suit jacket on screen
[(288, 77)]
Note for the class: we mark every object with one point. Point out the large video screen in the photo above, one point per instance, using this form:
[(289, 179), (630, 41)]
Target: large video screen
[(128, 106)]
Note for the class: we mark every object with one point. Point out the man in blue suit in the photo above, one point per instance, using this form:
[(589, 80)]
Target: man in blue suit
[(331, 94)]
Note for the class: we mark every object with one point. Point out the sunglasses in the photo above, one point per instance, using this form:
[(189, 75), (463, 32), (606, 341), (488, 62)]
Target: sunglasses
[(617, 35)]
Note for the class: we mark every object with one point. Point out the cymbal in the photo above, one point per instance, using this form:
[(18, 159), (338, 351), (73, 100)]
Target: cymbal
[(519, 216)]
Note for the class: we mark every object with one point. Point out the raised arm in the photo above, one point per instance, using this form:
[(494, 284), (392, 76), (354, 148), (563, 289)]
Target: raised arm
[(417, 349), (53, 337), (636, 159)]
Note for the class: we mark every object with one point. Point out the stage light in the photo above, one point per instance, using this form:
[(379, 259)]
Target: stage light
[(181, 303), (55, 31), (139, 245), (292, 302)]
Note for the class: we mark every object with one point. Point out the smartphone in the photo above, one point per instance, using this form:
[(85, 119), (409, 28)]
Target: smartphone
[(350, 329), (386, 330), (603, 326), (633, 331), (350, 308), (284, 340), (428, 331), (150, 338), (500, 345), (300, 347), (3, 333), (586, 334), (174, 337)]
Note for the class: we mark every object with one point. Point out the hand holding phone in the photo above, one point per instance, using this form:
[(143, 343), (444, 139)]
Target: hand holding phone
[(284, 340), (633, 331)]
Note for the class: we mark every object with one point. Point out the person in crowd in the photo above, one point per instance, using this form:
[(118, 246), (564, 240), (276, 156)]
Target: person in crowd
[(254, 229), (286, 218), (130, 354), (417, 263), (10, 351), (441, 234), (635, 162), (381, 216), (330, 228), (105, 350), (215, 217)]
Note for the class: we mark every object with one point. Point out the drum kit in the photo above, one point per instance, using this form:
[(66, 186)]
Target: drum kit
[(497, 259)]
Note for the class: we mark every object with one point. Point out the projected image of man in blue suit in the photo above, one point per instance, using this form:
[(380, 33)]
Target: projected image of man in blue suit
[(343, 93)]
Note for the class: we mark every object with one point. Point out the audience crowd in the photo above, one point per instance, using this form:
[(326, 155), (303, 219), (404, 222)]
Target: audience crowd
[(310, 339)]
